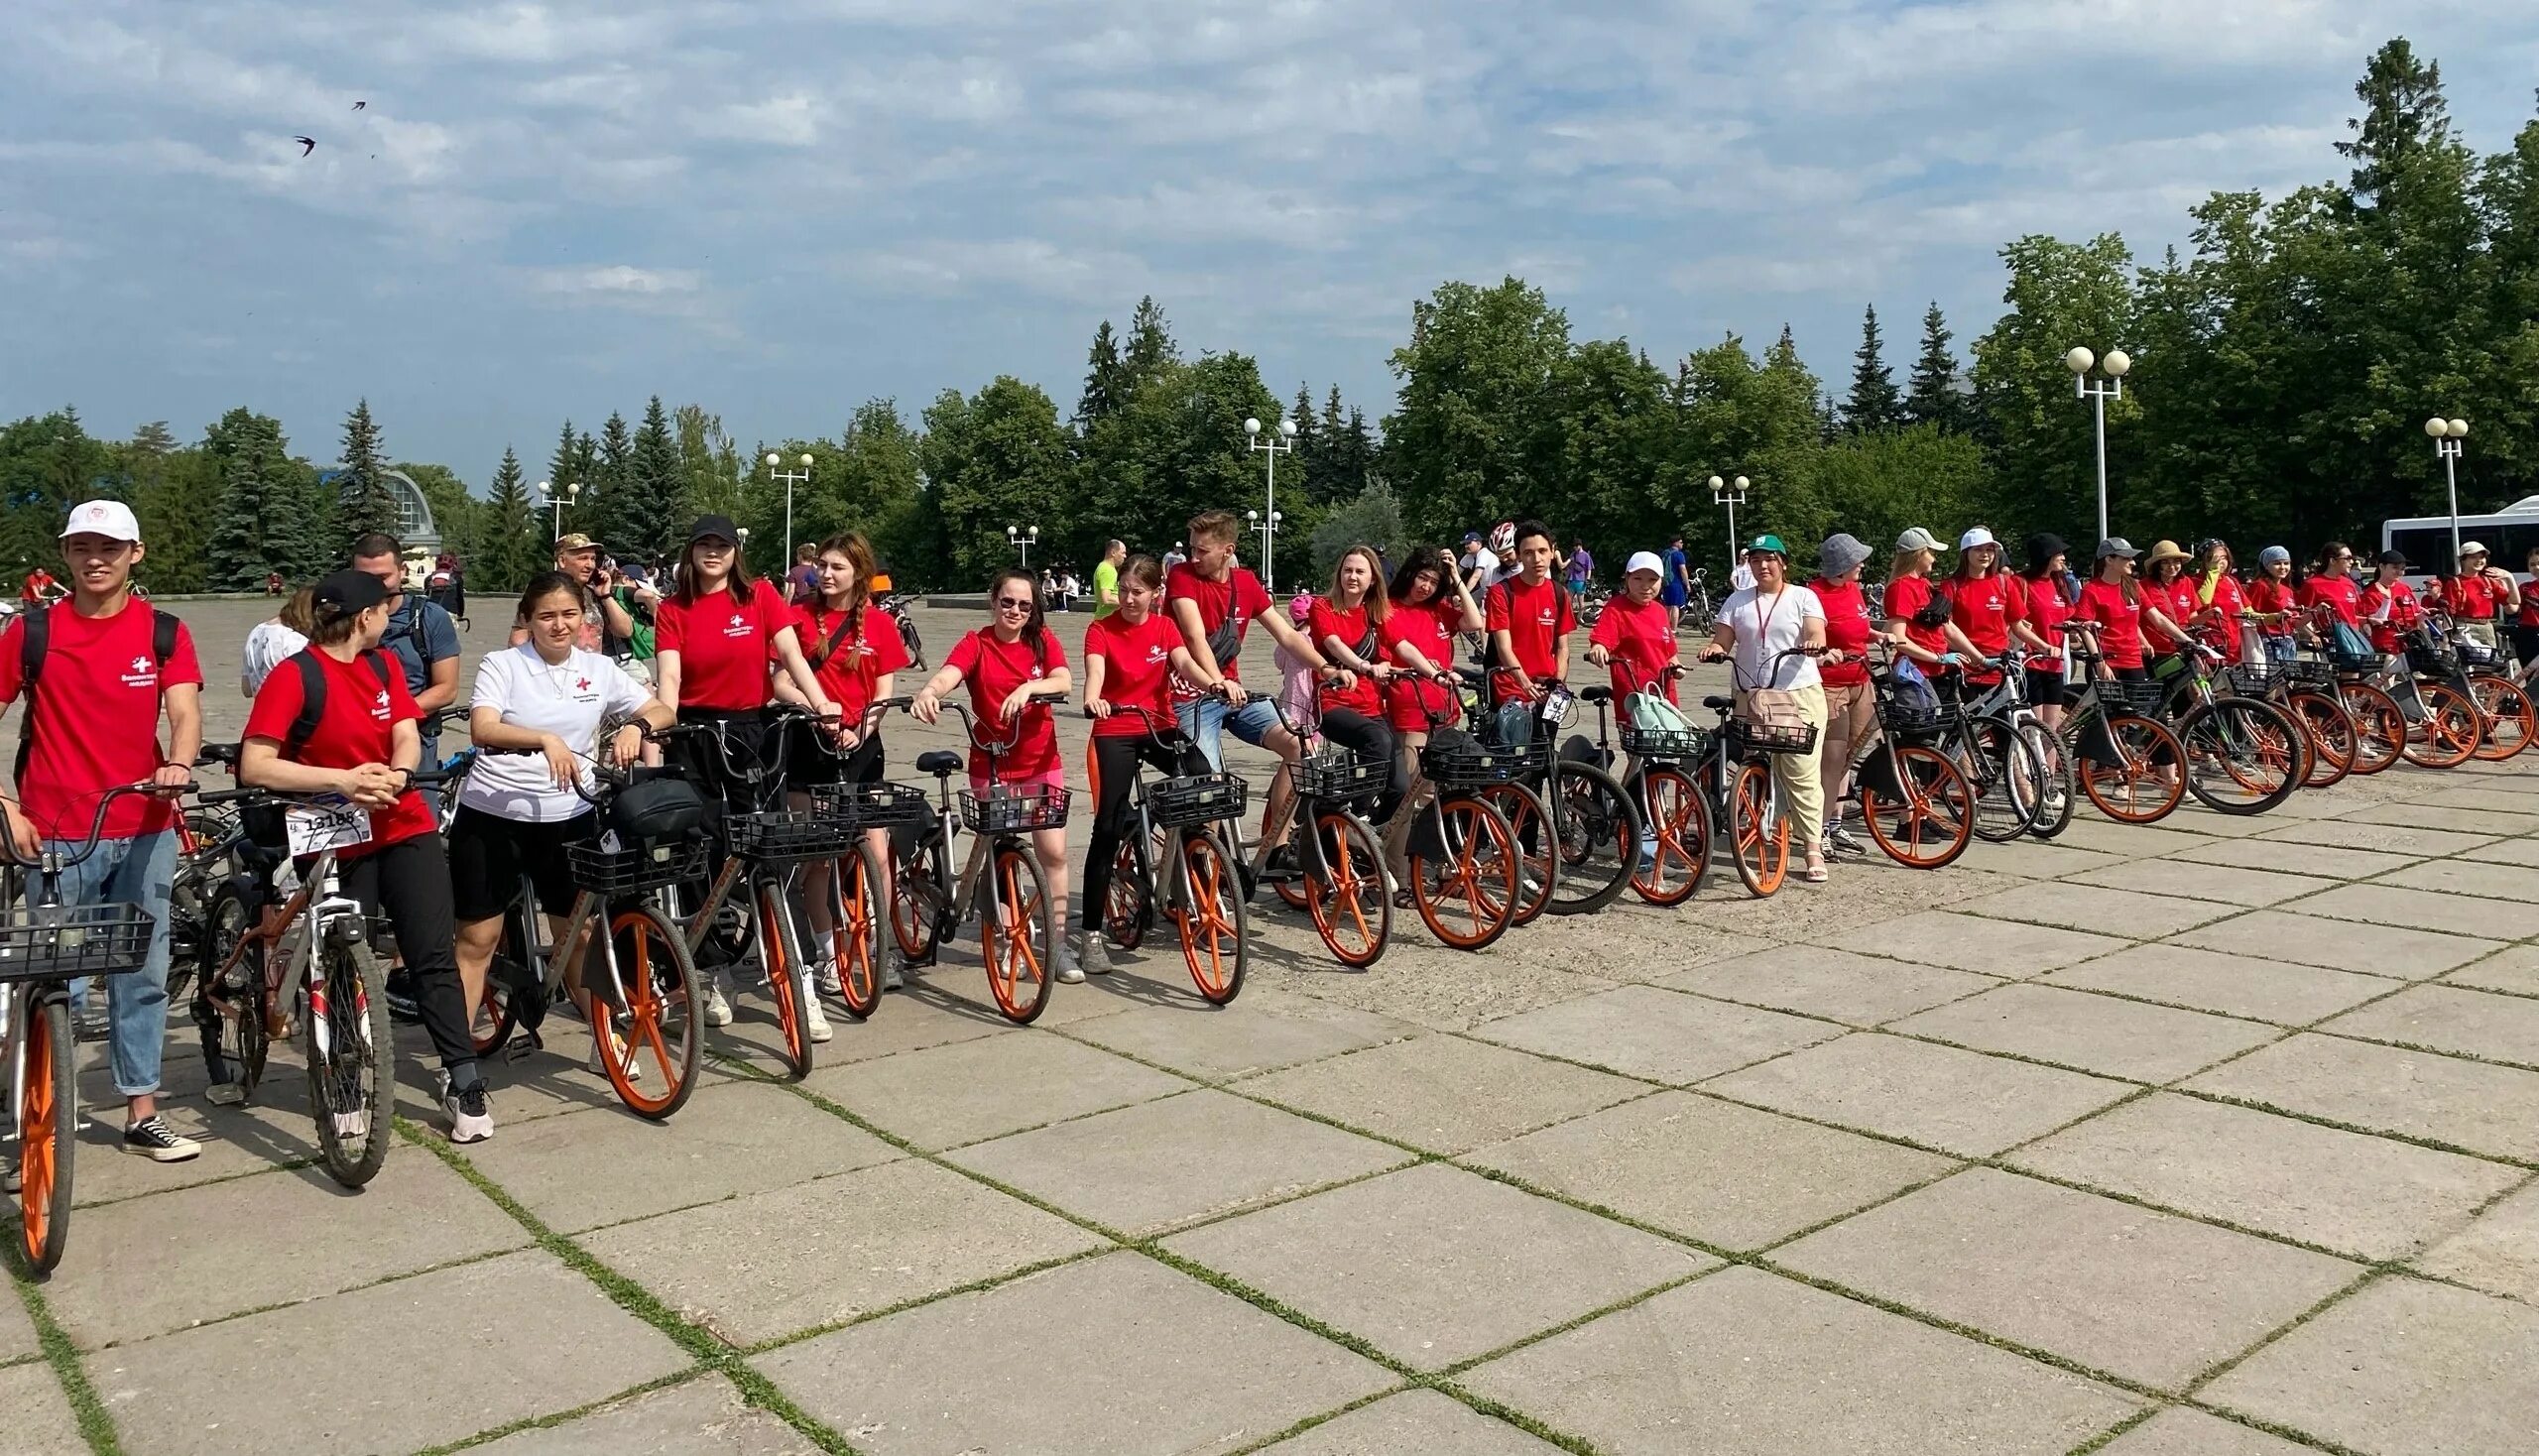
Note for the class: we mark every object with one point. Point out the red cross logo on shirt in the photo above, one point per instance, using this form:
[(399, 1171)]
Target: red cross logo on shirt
[(581, 684)]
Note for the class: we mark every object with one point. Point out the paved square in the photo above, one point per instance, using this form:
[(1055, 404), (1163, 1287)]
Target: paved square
[(2452, 1018), (1445, 1094), (2302, 939), (1960, 1102), (2094, 1034), (2230, 985), (2477, 1106), (1661, 1036), (1840, 985), (1414, 1423)]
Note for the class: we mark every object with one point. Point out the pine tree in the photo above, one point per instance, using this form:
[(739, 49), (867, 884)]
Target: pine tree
[(1932, 397), (514, 550), (565, 466), (309, 539), (646, 517), (239, 552), (1150, 349), (1874, 405), (604, 485), (1104, 384), (154, 438), (364, 500)]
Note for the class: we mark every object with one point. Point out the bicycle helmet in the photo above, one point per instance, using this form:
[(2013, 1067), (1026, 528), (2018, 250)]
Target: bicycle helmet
[(1503, 539)]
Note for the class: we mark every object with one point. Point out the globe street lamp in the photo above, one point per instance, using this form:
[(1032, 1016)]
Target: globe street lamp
[(1023, 539), (2447, 436), (550, 495), (790, 479), (1283, 444), (2097, 392), (1732, 495), (1268, 531)]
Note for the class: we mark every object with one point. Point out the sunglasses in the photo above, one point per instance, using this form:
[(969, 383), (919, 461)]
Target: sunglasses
[(1014, 604)]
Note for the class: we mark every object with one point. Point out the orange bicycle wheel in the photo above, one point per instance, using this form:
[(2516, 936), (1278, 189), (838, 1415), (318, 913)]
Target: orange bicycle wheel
[(2511, 719), (2331, 732), (1467, 893), (2451, 729), (47, 1097), (1929, 819), (2380, 729), (855, 888), (1215, 941), (2146, 782), (784, 984), (1018, 935), (650, 1050), (1674, 849), (1762, 850), (1350, 908), (1534, 844)]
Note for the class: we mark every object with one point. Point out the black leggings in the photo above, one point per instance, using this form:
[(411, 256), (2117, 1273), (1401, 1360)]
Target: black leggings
[(411, 880), (1370, 738), (1113, 767)]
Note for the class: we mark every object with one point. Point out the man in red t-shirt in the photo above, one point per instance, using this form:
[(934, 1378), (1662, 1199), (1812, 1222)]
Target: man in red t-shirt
[(1530, 619), (2480, 597), (1214, 603), (100, 687)]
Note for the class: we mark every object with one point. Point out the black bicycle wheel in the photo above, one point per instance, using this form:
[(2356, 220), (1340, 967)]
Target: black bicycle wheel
[(920, 895), (1598, 832), (349, 1049), (2243, 756), (2058, 785), (1127, 910), (2006, 777)]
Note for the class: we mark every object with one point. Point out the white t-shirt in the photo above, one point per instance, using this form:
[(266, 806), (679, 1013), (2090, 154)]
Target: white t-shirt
[(567, 700), (1768, 624), (269, 645), (1481, 559)]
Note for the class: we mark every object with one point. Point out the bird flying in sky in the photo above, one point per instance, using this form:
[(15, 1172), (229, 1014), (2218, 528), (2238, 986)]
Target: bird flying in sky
[(306, 145), (357, 105)]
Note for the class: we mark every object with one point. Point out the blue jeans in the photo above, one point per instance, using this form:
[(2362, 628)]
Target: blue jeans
[(1204, 721), (137, 870)]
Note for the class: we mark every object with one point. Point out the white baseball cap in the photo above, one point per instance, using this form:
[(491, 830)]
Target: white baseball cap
[(1643, 562), (112, 519), (2472, 547), (1974, 537)]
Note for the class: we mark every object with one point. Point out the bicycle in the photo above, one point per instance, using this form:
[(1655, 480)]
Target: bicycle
[(1675, 820), (2381, 728), (2307, 692), (2126, 761), (1195, 877), (1916, 803), (2243, 755), (2497, 690), (1459, 855), (1734, 768), (44, 945), (2430, 688), (854, 889), (1585, 811), (1339, 880), (1997, 741), (1017, 924)]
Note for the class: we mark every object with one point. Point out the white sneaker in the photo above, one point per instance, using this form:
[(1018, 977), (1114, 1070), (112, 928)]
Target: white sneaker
[(633, 1068), (1069, 973), (718, 1006), (892, 977), (817, 1020), (1092, 956), (824, 977), (472, 1114)]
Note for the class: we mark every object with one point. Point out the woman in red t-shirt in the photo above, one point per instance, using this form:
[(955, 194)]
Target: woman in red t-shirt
[(1131, 658), (1850, 705), (1014, 670), (2119, 608), (364, 745), (1635, 635), (1988, 605), (2277, 600), (1348, 626), (2168, 595), (2220, 606), (2048, 561), (2332, 594), (2388, 606), (1431, 602), (714, 639), (1914, 613)]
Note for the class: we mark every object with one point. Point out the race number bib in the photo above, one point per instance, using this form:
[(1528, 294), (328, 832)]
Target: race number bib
[(316, 828)]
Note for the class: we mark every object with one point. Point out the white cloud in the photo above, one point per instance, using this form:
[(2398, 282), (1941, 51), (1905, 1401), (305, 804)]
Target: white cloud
[(616, 279)]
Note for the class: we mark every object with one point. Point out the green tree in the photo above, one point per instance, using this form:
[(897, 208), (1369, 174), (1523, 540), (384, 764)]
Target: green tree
[(1463, 445), (2060, 295), (607, 485), (245, 545), (996, 458), (1371, 518), (1105, 382), (1931, 394), (646, 519), (48, 464), (512, 548), (1875, 403), (1151, 352), (364, 500), (709, 468)]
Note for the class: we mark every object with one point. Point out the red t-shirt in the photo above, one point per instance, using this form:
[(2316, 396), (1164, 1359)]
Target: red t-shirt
[(1848, 629), (2267, 596), (2390, 613), (1430, 629), (2472, 598), (1137, 667), (359, 727), (95, 718), (2177, 601), (1328, 620), (2223, 636), (993, 669), (2340, 596), (1535, 617), (864, 657), (1240, 596), (2047, 611), (1983, 607), (1642, 638), (2104, 602), (1906, 595), (723, 646)]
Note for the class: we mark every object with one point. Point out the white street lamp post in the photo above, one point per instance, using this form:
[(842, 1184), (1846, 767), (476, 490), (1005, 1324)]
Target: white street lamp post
[(1283, 443), (1268, 531), (2097, 392), (1023, 539), (2447, 436), (790, 479), (1731, 494), (553, 495)]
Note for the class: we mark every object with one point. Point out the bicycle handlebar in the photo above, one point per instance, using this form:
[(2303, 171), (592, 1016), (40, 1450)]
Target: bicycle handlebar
[(96, 824)]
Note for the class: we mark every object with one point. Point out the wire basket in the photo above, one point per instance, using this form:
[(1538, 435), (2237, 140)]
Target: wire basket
[(1338, 773), (1011, 808), (1753, 737), (2432, 661), (1197, 799), (86, 940), (2255, 680), (613, 873), (776, 835), (1470, 766), (2307, 672), (2341, 661), (872, 805), (1912, 716), (1665, 745), (2476, 653), (2143, 699)]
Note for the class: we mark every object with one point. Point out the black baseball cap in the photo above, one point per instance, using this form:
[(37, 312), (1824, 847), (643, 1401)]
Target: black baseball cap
[(711, 527), (347, 592)]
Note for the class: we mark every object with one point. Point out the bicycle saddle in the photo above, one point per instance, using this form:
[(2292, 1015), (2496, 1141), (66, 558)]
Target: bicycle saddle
[(1596, 695), (1719, 704), (942, 762)]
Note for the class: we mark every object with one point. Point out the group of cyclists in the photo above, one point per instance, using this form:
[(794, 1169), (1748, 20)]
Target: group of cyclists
[(769, 697)]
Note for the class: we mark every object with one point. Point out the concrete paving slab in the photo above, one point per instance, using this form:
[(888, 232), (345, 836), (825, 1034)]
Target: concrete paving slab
[(1263, 1031), (2128, 913), (912, 1019), (236, 1141), (736, 1137), (1748, 1364), (1446, 1094), (2511, 851), (2300, 939), (1661, 1036), (2403, 1366), (2484, 1108), (1960, 1102), (2225, 883), (2363, 1196), (970, 1091), (2194, 819), (2179, 1432), (768, 1264), (1413, 1423), (163, 1264), (2514, 969), (1815, 980), (1631, 941), (2031, 859), (2388, 904), (2231, 985), (17, 1331), (1728, 1175), (2360, 829), (1987, 947), (1125, 1357), (2516, 883), (546, 1084), (705, 1417), (2149, 1296), (37, 1415), (2497, 1253), (2489, 816), (2124, 841), (1156, 1166), (1445, 990), (2451, 1018), (2096, 1034), (2295, 856), (1433, 1264), (180, 1395)]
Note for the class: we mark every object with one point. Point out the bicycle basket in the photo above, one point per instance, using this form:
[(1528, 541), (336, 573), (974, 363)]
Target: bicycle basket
[(1197, 799), (82, 940), (2256, 679), (2307, 674), (2341, 659), (613, 873), (2476, 653), (1754, 736), (872, 805), (1912, 715), (1008, 808), (1667, 745), (1337, 773), (2432, 661), (2143, 699), (788, 834), (1469, 764)]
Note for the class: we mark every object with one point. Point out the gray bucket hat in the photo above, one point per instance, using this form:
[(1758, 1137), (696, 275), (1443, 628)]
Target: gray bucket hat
[(1839, 553)]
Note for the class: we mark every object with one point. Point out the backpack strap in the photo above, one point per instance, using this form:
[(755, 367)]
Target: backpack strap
[(312, 704), (35, 643)]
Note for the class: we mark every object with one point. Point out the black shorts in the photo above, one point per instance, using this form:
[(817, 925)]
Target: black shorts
[(489, 853), (2046, 688), (812, 762)]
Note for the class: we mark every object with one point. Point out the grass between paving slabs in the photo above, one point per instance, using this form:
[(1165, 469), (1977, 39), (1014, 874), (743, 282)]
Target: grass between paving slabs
[(562, 1417), (96, 1428)]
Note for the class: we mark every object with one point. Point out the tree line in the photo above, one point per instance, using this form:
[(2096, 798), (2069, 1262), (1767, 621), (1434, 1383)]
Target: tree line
[(2285, 362)]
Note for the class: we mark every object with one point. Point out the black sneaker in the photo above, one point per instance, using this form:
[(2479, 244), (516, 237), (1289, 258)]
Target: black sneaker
[(402, 1005), (471, 1113), (153, 1139)]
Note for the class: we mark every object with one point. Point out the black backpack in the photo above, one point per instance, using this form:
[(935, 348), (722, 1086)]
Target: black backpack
[(36, 642), (312, 696)]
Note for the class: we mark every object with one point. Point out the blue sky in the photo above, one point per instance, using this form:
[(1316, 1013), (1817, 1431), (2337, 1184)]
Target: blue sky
[(782, 207)]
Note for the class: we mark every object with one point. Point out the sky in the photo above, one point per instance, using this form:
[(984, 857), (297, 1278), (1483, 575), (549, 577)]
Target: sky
[(781, 209)]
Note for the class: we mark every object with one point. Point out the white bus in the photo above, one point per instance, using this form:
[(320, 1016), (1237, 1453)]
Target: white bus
[(2507, 534)]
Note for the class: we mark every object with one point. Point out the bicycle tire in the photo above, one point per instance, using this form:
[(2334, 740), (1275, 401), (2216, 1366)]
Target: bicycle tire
[(1017, 934), (2257, 747), (2007, 780), (1677, 838), (1537, 869), (2146, 747), (492, 1023), (2330, 729), (2453, 728), (351, 1047), (1351, 909), (855, 929), (1761, 852), (1598, 832), (1127, 909), (48, 1099), (786, 986), (2510, 718), (1477, 868), (2060, 793), (1933, 796), (660, 1018), (920, 899), (1209, 912), (225, 924), (2379, 727)]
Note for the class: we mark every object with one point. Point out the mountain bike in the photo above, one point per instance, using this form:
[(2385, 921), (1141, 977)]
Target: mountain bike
[(1019, 925), (1734, 770), (2244, 754), (1193, 876)]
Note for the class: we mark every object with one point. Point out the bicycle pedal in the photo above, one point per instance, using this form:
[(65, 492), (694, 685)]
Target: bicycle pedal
[(520, 1047)]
